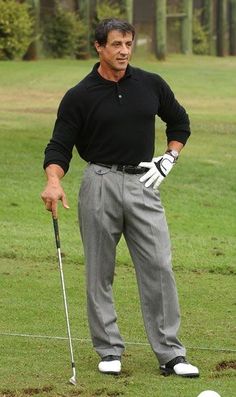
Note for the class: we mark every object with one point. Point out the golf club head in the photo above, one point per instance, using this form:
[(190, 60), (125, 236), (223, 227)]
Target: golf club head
[(73, 380)]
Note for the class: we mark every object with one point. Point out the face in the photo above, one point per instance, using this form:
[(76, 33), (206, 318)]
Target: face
[(116, 53)]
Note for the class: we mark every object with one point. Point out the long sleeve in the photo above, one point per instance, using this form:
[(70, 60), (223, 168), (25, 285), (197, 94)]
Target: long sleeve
[(174, 115), (65, 134)]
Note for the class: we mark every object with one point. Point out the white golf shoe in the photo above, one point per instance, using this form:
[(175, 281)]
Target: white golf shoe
[(110, 365), (179, 366)]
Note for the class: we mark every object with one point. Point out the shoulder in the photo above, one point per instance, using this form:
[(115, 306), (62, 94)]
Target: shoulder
[(74, 94), (150, 78), (78, 89), (82, 87), (144, 74)]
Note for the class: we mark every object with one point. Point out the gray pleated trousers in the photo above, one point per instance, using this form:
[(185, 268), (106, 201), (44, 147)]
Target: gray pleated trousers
[(111, 203)]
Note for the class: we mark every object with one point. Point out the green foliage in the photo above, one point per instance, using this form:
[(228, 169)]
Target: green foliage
[(108, 9), (64, 35), (81, 47), (200, 36), (60, 33), (16, 29)]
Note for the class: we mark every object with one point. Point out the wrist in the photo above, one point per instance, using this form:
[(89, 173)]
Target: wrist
[(54, 173), (173, 153), (53, 181)]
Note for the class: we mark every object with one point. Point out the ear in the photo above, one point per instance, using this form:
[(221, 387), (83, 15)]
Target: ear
[(97, 47)]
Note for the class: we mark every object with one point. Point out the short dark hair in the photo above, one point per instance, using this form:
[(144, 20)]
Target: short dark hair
[(109, 24)]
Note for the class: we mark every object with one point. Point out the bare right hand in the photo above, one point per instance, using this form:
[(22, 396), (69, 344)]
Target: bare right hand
[(52, 193)]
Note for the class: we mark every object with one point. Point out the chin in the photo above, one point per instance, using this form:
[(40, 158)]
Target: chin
[(121, 67)]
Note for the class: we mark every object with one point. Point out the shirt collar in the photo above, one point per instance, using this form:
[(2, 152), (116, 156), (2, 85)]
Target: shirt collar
[(130, 72)]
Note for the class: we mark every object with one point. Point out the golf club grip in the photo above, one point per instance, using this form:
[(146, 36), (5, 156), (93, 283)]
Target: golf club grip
[(56, 231)]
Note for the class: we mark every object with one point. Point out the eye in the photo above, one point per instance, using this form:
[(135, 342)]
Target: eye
[(116, 44)]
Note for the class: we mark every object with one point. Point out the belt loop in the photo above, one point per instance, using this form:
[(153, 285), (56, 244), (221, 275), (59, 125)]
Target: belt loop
[(114, 168)]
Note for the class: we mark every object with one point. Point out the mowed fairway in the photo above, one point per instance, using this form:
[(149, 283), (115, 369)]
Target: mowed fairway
[(200, 200)]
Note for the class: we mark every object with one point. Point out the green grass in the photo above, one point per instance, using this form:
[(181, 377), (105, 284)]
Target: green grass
[(200, 200)]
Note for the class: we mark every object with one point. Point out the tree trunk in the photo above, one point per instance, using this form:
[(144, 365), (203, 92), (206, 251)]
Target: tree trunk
[(232, 27), (33, 50), (85, 11), (221, 27), (129, 10), (187, 40), (161, 29), (208, 15)]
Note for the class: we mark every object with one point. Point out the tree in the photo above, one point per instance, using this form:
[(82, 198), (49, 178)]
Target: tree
[(33, 50), (161, 29), (232, 27), (221, 27), (187, 38)]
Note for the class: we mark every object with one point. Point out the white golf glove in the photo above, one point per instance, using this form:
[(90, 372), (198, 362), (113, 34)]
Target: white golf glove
[(159, 168)]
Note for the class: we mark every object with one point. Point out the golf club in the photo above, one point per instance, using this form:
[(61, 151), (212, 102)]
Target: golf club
[(58, 245)]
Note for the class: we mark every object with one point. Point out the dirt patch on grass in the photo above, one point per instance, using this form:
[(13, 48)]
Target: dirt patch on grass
[(31, 391), (75, 393), (7, 393), (114, 393), (224, 369), (224, 365), (26, 392)]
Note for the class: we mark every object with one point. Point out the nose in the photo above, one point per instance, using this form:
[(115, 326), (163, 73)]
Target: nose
[(124, 50)]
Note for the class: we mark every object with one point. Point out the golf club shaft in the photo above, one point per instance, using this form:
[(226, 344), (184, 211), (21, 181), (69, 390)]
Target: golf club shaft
[(58, 245)]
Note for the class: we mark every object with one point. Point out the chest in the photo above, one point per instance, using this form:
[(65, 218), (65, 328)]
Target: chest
[(116, 101)]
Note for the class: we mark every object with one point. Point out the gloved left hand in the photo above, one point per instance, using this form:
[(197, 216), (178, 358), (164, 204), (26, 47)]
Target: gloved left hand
[(159, 168)]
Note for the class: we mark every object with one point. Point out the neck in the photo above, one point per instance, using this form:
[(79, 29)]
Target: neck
[(110, 74)]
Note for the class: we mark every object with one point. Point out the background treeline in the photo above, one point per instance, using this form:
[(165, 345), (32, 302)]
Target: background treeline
[(31, 29)]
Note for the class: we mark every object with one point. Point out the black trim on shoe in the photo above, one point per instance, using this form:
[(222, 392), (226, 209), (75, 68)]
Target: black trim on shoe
[(176, 360), (111, 358), (168, 368)]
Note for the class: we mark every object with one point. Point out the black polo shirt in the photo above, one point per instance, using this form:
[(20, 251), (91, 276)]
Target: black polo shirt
[(114, 123)]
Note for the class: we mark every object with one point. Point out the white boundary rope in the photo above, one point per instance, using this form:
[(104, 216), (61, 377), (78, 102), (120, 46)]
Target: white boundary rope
[(87, 340)]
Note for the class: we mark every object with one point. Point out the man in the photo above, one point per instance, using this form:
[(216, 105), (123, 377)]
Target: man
[(110, 118)]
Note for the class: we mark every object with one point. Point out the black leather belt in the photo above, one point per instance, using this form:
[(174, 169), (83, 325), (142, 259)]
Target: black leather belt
[(129, 169)]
